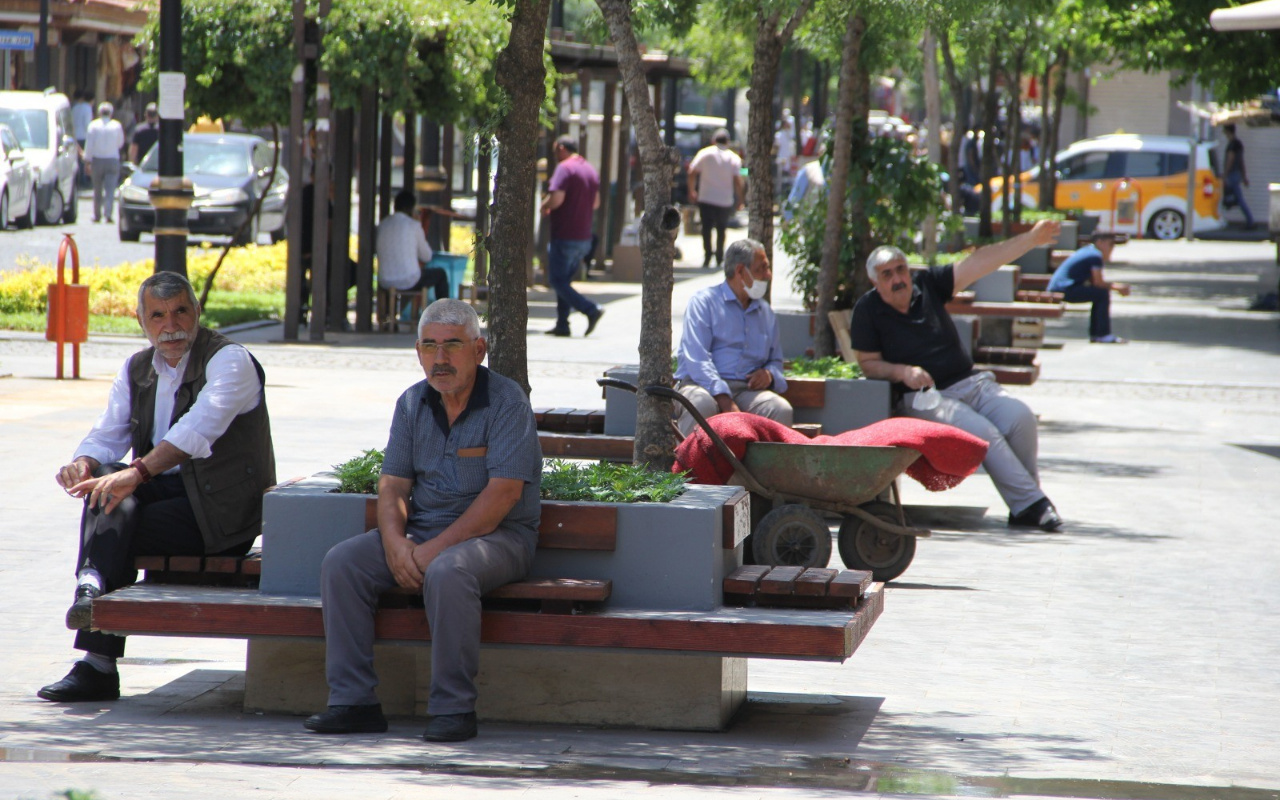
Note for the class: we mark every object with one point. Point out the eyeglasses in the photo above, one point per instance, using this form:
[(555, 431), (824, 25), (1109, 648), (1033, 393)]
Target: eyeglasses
[(451, 347)]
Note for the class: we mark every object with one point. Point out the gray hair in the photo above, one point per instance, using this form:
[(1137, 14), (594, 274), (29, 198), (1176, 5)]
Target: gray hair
[(106, 108), (883, 255), (740, 253), (165, 286), (448, 311)]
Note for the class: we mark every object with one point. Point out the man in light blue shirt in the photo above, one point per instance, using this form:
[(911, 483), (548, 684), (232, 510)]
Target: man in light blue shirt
[(730, 356)]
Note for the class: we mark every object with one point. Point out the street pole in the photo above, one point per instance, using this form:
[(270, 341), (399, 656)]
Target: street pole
[(42, 48), (171, 193)]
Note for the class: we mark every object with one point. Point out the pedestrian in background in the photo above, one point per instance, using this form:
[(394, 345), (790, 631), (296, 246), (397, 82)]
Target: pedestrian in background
[(1237, 177), (715, 184), (572, 197), (102, 146)]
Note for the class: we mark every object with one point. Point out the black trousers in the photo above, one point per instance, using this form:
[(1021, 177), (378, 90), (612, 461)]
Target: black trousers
[(157, 520), (713, 217), (435, 278)]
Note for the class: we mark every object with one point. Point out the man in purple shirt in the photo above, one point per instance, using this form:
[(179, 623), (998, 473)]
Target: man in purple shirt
[(572, 196)]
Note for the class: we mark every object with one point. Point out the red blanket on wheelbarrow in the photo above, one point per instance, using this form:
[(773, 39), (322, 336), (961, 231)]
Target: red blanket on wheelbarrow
[(949, 454)]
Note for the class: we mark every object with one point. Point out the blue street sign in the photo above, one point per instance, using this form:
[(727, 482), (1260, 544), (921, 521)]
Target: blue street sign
[(17, 40)]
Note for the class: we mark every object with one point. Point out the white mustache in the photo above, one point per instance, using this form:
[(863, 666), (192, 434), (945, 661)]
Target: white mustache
[(176, 336)]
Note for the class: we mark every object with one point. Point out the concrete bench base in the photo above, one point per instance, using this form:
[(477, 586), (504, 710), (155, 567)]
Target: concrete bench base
[(674, 692)]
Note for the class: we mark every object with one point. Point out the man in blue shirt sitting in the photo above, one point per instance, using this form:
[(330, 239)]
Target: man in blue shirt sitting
[(1080, 280), (730, 356)]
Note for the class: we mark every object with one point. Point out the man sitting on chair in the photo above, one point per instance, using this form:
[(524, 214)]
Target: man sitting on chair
[(403, 252)]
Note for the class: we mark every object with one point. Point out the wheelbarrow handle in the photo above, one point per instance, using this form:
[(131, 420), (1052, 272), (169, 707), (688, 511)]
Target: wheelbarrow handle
[(617, 383), (721, 445)]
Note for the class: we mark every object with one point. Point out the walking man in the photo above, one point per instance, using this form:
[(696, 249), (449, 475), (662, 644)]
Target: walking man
[(1236, 176), (572, 196), (715, 184), (102, 147)]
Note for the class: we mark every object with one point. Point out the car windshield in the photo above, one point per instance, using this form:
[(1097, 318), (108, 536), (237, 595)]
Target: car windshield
[(30, 125), (205, 158)]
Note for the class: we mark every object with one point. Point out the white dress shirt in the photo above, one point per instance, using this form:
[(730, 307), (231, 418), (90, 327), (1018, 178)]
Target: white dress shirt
[(402, 250), (104, 139), (231, 388)]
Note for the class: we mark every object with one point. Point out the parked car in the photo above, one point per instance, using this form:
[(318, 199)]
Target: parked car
[(42, 123), (1089, 171), (17, 182), (228, 171)]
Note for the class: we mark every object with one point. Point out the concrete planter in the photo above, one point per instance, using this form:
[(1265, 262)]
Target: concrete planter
[(849, 403), (795, 329), (669, 556)]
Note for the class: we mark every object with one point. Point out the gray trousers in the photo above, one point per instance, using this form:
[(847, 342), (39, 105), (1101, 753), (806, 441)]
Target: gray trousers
[(764, 404), (106, 176), (982, 407), (355, 572)]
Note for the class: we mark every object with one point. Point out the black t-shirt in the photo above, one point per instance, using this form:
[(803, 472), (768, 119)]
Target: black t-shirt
[(923, 337), (144, 136), (1237, 163)]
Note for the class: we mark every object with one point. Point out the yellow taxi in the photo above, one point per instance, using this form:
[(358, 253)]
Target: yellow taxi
[(1136, 184)]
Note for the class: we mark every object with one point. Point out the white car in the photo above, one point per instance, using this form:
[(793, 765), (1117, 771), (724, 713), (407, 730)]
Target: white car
[(17, 182), (42, 123)]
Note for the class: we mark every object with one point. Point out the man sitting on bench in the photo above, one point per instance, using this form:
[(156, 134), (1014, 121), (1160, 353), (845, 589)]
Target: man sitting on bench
[(1080, 280), (730, 356), (403, 252), (193, 411), (901, 332), (458, 512)]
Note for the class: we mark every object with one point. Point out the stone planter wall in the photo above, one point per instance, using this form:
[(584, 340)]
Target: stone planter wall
[(795, 330)]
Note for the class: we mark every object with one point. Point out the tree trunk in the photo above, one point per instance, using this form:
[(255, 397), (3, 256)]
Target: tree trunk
[(655, 439), (959, 133), (837, 181), (1050, 194), (987, 171), (860, 228), (1046, 116), (767, 55), (520, 73), (933, 140), (1015, 137)]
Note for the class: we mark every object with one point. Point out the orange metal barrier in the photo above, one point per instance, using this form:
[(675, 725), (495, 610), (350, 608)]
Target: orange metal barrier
[(68, 308)]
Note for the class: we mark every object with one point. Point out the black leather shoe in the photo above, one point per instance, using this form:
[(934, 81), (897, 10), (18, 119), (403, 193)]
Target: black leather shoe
[(83, 684), (558, 332), (80, 615), (348, 719), (592, 320), (451, 728), (1040, 514)]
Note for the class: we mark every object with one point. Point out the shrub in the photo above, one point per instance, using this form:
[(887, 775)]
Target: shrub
[(605, 482), (828, 367), (360, 475)]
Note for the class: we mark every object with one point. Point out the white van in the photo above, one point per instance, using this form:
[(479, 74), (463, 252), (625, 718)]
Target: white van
[(42, 123)]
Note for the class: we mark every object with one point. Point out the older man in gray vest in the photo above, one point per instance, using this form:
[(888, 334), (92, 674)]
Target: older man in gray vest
[(191, 408)]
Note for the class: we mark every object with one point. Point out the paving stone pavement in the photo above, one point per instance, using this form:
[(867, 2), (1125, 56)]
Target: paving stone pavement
[(1134, 654)]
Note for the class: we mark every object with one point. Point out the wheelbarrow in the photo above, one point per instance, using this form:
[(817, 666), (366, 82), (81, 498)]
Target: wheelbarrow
[(796, 481)]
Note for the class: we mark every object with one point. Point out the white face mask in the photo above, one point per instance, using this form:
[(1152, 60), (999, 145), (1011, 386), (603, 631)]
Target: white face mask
[(757, 290)]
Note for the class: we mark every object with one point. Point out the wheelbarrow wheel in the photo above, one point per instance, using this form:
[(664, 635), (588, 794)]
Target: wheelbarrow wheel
[(864, 546), (792, 536)]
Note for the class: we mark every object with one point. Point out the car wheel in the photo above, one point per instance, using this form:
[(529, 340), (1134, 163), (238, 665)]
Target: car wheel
[(126, 233), (71, 207), (1166, 224), (52, 213), (249, 235), (4, 211), (279, 234), (28, 220)]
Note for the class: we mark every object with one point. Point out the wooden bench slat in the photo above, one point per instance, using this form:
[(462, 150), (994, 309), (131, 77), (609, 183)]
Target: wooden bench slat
[(576, 421), (150, 562), (246, 613), (1012, 376), (223, 565), (850, 583), (186, 563), (806, 392), (578, 526), (735, 520), (595, 421), (595, 446), (988, 309), (585, 591), (745, 579), (252, 564), (814, 581), (554, 420), (780, 580), (1012, 356)]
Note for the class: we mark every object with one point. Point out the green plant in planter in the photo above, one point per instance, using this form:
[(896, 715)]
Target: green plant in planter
[(605, 482), (360, 475), (828, 367)]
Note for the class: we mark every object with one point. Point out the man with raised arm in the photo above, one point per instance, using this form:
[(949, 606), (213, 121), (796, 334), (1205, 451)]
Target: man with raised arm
[(901, 332), (458, 512)]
